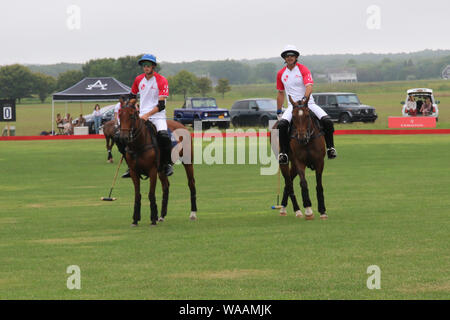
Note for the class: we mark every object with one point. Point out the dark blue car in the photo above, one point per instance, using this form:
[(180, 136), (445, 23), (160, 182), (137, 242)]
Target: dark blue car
[(204, 110)]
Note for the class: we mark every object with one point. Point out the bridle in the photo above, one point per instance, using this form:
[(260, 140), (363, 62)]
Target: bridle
[(308, 136), (134, 131)]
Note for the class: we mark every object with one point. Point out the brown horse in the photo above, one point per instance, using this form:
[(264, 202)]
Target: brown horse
[(307, 149), (109, 131), (143, 159)]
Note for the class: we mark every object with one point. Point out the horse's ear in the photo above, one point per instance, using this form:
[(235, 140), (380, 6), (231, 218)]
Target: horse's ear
[(292, 101)]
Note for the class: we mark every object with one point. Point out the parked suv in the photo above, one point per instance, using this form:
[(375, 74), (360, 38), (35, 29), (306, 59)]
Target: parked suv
[(344, 107), (202, 109), (253, 112)]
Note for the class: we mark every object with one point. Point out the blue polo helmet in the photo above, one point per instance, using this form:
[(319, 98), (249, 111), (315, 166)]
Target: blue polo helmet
[(147, 57)]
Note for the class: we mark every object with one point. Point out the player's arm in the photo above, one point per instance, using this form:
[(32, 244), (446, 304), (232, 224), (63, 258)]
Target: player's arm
[(159, 107), (309, 90), (280, 100)]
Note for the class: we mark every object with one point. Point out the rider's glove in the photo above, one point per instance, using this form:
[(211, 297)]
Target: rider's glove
[(303, 101), (279, 114)]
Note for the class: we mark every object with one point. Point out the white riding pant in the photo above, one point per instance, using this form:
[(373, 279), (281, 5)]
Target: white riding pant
[(318, 111), (159, 120)]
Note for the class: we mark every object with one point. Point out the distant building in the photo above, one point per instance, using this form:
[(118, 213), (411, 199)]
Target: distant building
[(343, 75), (322, 77), (446, 72)]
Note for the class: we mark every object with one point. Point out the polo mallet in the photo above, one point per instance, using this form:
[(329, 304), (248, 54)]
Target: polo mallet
[(114, 182)]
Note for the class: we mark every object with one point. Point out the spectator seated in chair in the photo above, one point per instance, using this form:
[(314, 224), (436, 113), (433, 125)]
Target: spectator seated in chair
[(411, 106), (427, 107), (59, 123), (67, 123), (81, 121)]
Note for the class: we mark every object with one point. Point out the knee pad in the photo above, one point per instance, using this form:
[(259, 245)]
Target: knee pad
[(283, 124), (163, 134)]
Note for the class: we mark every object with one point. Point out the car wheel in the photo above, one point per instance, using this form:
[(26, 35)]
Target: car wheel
[(345, 118), (206, 125), (265, 122), (235, 122)]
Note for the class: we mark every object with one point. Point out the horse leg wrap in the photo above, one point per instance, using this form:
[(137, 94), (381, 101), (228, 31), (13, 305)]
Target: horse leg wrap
[(137, 209), (153, 208), (320, 200)]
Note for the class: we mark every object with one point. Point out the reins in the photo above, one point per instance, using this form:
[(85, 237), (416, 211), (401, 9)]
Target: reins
[(309, 136)]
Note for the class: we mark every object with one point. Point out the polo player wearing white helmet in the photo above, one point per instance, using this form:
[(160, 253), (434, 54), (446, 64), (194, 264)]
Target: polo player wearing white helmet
[(295, 80)]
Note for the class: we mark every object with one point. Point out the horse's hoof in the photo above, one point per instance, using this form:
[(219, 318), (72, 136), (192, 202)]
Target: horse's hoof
[(133, 225), (161, 219), (153, 224), (309, 213), (299, 214), (283, 212), (323, 216), (193, 216)]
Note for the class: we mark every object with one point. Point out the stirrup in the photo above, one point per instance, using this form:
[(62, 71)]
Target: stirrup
[(126, 174), (283, 158), (331, 152)]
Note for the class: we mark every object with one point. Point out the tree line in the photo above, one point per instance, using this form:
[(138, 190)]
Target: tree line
[(17, 81)]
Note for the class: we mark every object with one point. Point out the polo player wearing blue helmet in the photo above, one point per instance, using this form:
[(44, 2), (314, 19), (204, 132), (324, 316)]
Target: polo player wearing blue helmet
[(153, 89)]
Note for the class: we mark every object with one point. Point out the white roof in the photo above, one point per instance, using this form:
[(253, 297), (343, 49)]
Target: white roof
[(419, 90)]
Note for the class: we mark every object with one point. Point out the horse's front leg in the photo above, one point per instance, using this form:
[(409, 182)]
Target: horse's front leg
[(319, 190), (165, 197), (151, 196), (291, 194), (288, 188), (305, 193), (189, 168), (108, 148), (137, 197)]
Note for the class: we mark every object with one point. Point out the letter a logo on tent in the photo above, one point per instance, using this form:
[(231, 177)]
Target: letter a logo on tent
[(97, 84)]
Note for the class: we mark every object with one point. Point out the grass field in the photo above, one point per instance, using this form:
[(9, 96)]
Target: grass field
[(387, 200), (34, 117)]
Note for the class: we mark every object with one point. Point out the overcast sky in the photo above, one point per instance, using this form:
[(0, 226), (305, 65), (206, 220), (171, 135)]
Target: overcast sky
[(48, 31)]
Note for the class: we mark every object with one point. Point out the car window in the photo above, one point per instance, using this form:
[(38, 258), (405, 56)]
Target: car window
[(348, 99), (321, 100), (252, 104), (240, 105), (268, 105), (204, 103), (331, 100)]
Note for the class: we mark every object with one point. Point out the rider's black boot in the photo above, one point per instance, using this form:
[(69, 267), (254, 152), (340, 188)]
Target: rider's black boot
[(328, 129), (165, 147), (283, 134)]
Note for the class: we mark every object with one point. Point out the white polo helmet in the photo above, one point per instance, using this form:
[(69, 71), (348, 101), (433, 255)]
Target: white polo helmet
[(289, 49)]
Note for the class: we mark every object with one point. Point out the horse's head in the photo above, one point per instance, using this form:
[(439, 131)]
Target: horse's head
[(301, 118), (129, 121)]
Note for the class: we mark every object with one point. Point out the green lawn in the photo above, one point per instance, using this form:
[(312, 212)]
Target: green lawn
[(34, 117), (387, 200)]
